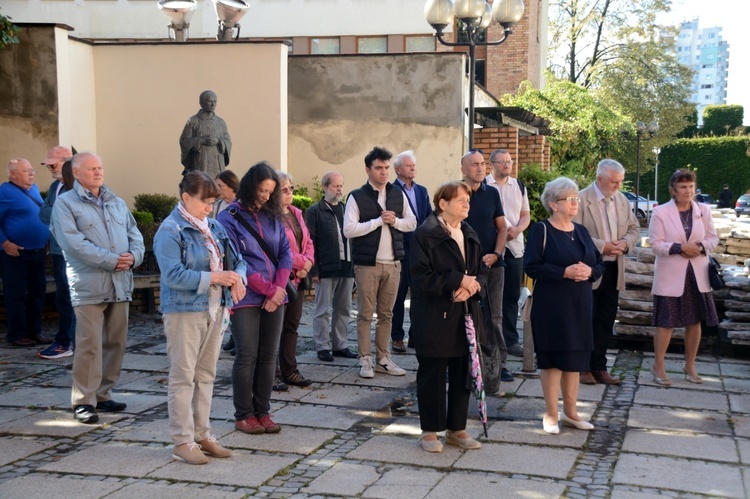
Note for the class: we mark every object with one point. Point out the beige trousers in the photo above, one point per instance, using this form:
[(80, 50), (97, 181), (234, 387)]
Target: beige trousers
[(376, 291), (193, 347), (101, 336)]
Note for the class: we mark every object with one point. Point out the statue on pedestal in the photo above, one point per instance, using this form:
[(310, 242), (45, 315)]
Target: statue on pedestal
[(205, 141)]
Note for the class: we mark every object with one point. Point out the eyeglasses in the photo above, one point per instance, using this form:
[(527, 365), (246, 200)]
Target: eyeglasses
[(510, 162), (288, 190), (207, 201), (569, 199)]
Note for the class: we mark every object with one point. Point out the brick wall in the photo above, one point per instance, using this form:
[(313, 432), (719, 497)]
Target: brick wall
[(524, 149)]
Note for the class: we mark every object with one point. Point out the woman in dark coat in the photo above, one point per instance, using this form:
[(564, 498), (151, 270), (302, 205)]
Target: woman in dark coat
[(446, 271), (561, 257)]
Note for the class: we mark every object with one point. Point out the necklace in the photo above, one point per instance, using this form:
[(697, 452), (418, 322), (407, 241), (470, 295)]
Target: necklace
[(569, 234)]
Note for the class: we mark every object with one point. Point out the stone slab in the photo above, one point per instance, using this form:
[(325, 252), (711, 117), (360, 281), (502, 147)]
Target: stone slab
[(139, 402), (509, 458), (292, 440), (113, 459), (65, 379), (56, 423), (648, 395), (56, 487), (531, 432), (157, 382), (396, 449), (710, 383), (697, 446), (139, 490), (741, 424), (13, 449), (404, 483), (12, 414), (222, 408), (696, 477), (739, 403), (735, 369), (736, 385), (520, 408), (141, 362), (158, 431), (319, 416), (362, 397), (706, 366), (459, 484), (324, 373), (626, 494), (744, 448), (36, 397), (256, 469), (351, 377), (679, 420), (344, 479), (13, 372)]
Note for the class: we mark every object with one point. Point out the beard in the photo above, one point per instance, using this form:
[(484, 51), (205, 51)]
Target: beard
[(333, 198)]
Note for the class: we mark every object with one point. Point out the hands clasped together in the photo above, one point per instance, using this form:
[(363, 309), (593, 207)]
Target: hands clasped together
[(232, 280), (578, 272), (468, 288)]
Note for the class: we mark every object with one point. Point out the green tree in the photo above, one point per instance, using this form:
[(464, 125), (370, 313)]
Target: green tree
[(8, 32), (721, 119)]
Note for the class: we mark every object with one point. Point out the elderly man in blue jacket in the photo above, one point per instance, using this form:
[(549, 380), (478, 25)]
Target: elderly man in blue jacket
[(102, 245)]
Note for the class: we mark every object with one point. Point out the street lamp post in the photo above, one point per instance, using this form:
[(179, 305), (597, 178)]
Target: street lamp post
[(476, 15), (642, 132)]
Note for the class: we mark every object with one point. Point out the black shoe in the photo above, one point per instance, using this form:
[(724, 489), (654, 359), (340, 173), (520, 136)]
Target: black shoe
[(325, 355), (278, 385), (110, 406), (296, 379), (505, 375), (86, 414), (23, 342), (229, 345), (346, 353), (233, 351), (516, 350)]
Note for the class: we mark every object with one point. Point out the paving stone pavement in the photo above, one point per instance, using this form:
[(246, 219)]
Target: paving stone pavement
[(345, 436)]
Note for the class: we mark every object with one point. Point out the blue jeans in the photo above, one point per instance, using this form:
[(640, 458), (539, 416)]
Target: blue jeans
[(67, 323), (257, 334), (397, 327), (25, 288)]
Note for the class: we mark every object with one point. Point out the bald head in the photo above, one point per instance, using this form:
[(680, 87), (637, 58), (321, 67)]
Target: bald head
[(88, 170)]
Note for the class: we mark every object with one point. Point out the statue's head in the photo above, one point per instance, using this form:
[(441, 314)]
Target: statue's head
[(208, 101)]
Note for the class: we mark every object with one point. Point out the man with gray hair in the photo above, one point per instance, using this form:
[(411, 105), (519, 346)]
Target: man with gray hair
[(23, 237), (405, 165), (102, 245), (606, 213), (333, 272)]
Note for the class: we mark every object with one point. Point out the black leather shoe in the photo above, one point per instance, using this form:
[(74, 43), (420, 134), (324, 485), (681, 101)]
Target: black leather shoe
[(86, 414), (325, 356), (229, 345), (111, 406), (506, 376), (24, 342), (346, 353)]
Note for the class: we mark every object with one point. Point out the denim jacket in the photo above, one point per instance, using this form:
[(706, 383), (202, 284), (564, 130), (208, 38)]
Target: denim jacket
[(92, 233), (185, 265)]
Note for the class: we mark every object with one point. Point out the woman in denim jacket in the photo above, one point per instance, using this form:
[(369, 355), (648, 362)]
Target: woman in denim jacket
[(197, 292), (258, 318)]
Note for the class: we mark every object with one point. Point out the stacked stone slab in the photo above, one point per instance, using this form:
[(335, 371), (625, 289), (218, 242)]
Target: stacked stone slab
[(737, 304)]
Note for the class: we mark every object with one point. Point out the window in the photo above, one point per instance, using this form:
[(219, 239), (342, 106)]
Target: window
[(324, 45), (420, 43), (372, 45)]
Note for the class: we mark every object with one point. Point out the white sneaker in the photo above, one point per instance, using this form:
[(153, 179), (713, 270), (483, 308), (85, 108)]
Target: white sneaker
[(387, 366), (365, 370)]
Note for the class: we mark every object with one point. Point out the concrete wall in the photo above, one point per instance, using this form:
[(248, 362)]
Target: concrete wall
[(28, 96), (342, 106), (129, 103), (277, 18)]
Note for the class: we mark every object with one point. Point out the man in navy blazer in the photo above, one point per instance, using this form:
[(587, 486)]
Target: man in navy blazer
[(405, 165)]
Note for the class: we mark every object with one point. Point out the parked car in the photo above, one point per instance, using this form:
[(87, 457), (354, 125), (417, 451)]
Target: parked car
[(742, 207), (644, 205), (705, 198)]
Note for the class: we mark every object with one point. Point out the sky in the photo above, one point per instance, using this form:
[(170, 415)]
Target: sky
[(733, 17)]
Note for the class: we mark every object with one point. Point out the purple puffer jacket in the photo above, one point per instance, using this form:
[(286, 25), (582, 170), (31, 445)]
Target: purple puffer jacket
[(262, 277)]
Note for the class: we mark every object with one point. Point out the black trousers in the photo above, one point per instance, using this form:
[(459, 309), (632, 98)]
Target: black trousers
[(511, 293), (605, 311), (434, 413), (397, 323)]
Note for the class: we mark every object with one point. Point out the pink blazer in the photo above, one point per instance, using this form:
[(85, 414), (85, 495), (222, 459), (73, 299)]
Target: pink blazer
[(299, 255), (666, 229)]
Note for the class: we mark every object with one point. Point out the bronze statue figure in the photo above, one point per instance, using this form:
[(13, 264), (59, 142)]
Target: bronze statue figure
[(205, 141)]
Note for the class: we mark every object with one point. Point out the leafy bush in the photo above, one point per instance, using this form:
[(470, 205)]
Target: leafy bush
[(301, 202), (535, 178), (159, 205), (146, 225)]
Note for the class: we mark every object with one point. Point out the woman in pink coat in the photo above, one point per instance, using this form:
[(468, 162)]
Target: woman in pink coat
[(682, 234), (303, 253)]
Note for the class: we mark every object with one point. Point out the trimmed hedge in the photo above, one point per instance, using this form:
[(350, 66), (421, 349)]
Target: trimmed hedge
[(715, 160), (717, 117), (301, 202), (159, 205), (146, 226)]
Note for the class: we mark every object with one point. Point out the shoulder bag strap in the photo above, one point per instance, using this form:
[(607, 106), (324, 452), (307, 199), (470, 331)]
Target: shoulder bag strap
[(263, 245)]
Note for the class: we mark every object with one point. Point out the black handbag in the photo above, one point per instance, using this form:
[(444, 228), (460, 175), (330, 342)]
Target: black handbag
[(714, 274), (291, 289)]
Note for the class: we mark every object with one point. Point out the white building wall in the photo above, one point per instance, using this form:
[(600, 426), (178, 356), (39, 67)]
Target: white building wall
[(278, 18)]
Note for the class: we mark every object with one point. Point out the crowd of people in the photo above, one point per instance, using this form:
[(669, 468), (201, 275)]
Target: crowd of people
[(236, 256)]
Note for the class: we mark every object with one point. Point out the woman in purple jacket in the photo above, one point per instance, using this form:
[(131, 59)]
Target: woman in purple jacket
[(257, 320)]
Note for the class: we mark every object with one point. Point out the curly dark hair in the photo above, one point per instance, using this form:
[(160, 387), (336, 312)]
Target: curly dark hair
[(247, 194), (380, 153)]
